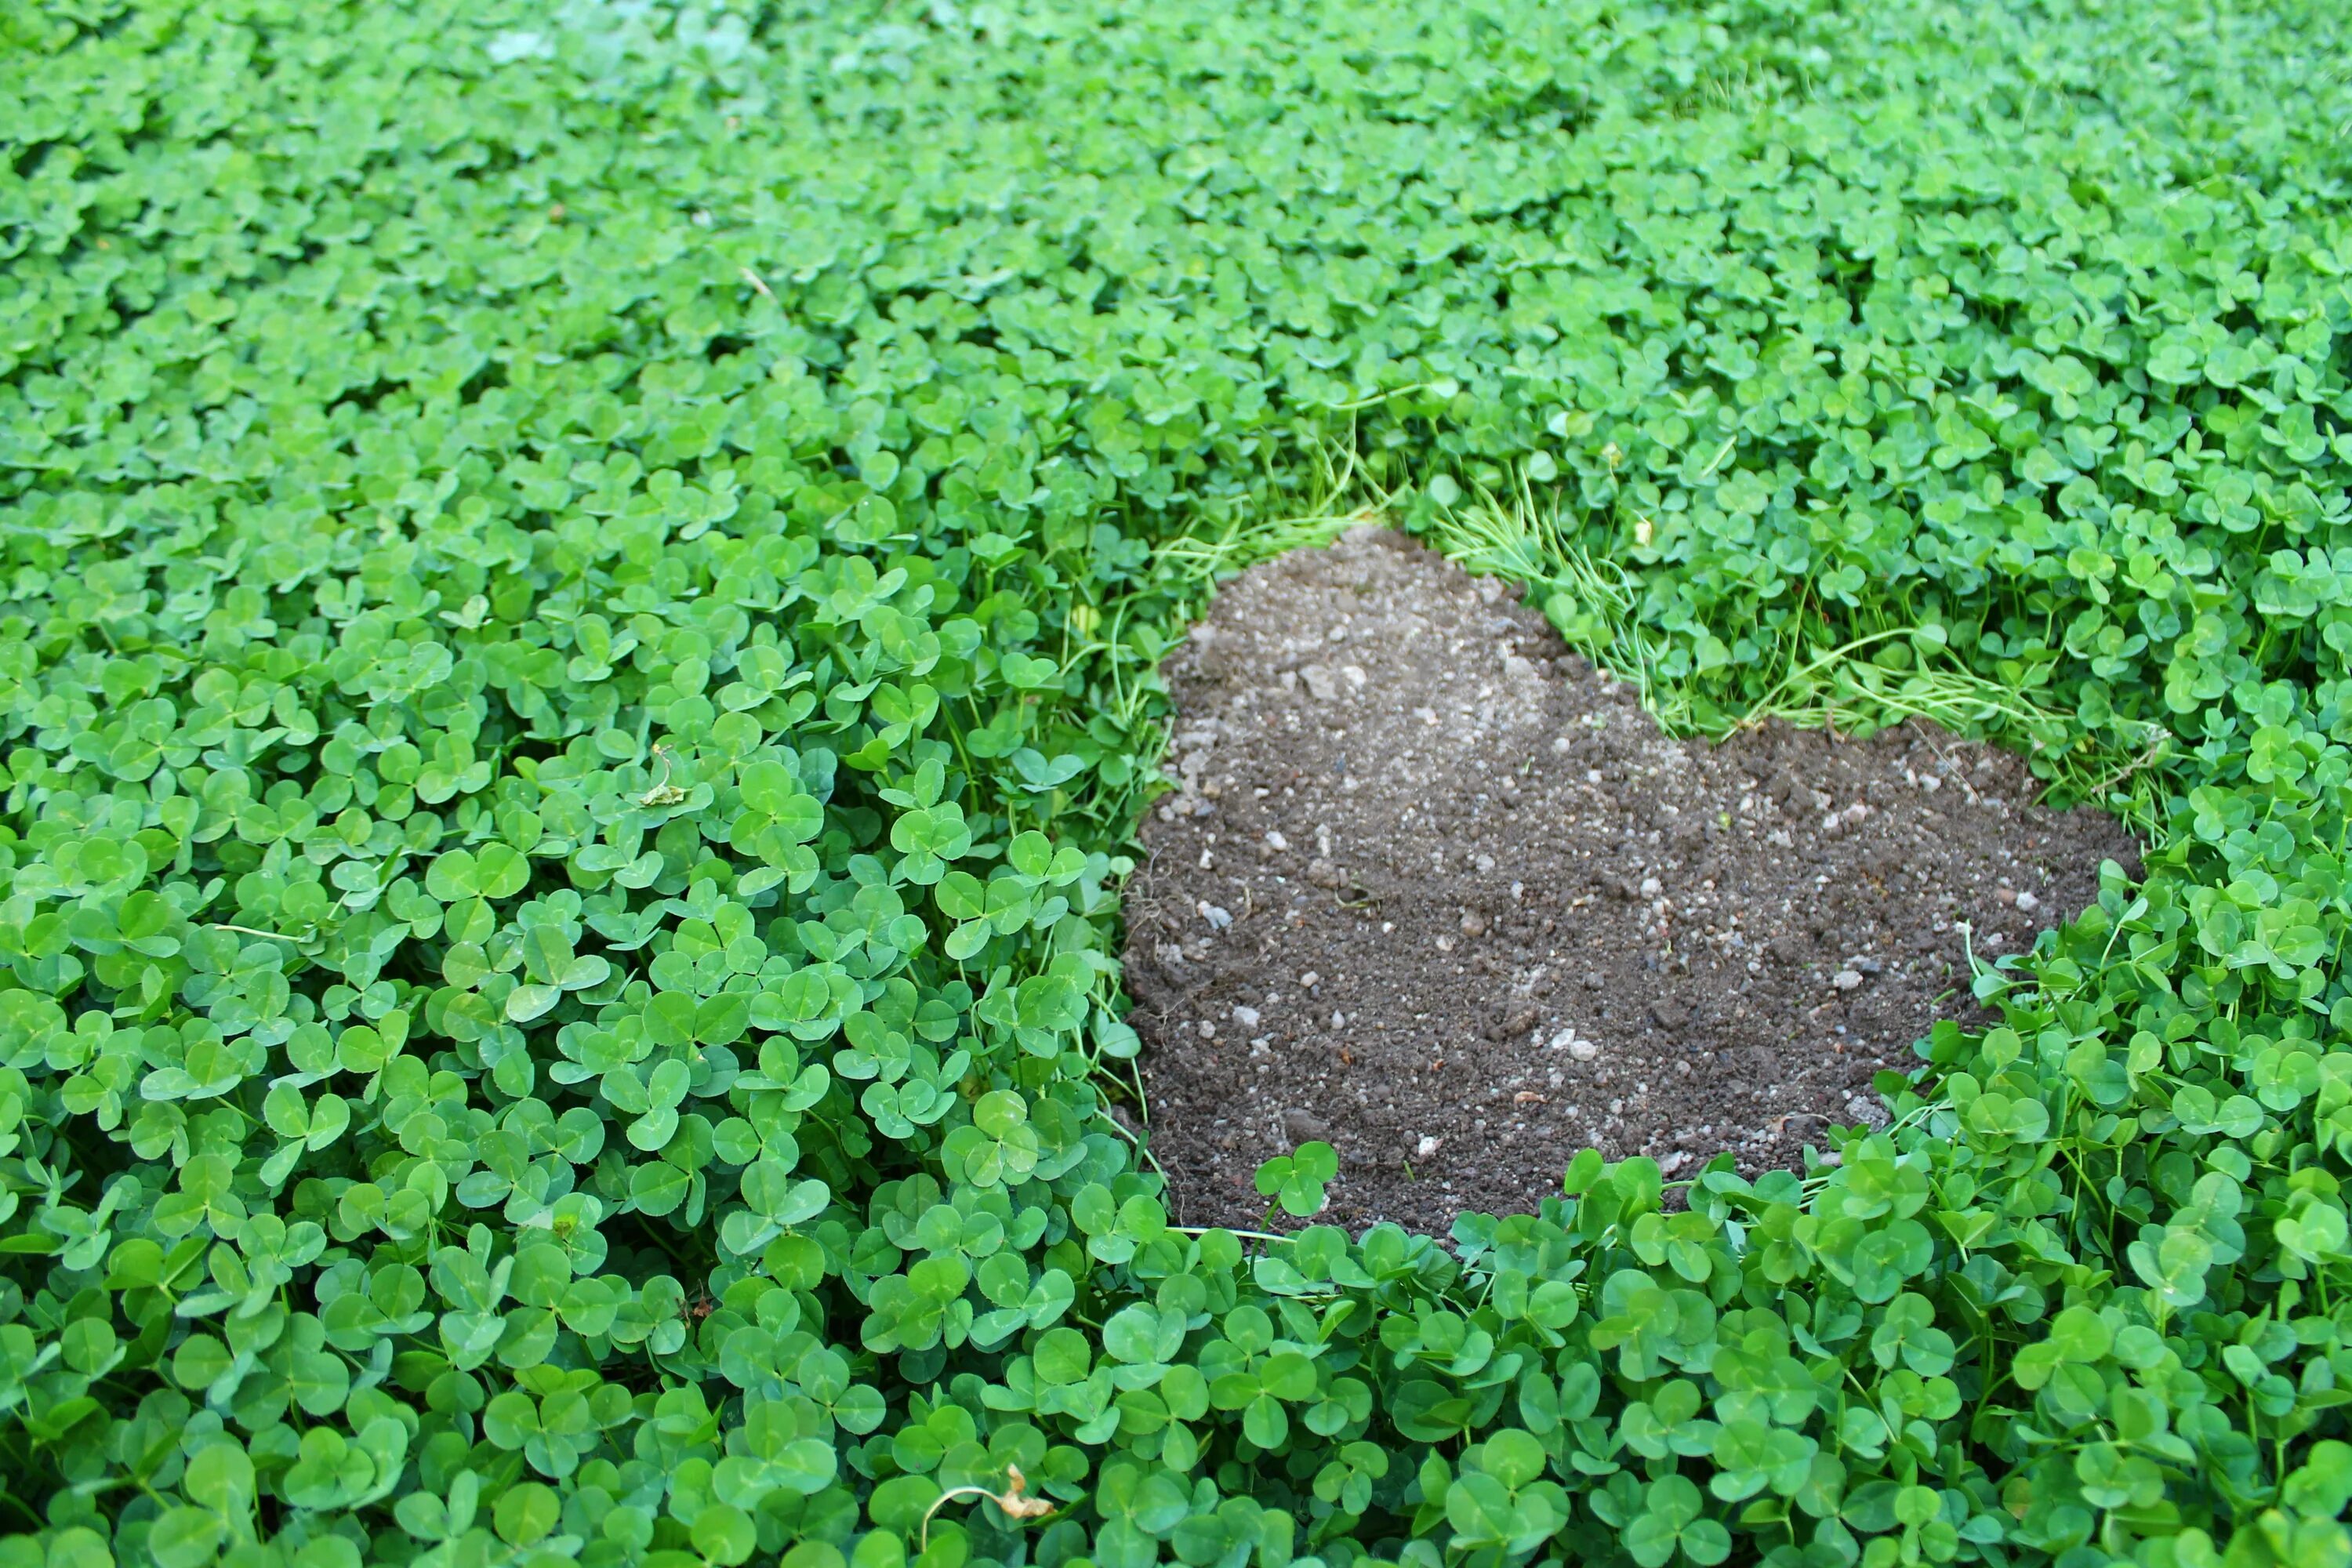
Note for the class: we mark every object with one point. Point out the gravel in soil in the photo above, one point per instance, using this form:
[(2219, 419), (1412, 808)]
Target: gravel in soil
[(1433, 890)]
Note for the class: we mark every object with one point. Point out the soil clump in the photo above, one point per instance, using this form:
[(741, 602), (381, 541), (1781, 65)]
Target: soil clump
[(1433, 890)]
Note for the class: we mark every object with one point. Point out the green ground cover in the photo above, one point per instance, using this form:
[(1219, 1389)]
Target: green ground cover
[(580, 595)]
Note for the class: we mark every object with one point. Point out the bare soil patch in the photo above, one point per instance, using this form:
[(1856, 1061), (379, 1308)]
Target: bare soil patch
[(1433, 890)]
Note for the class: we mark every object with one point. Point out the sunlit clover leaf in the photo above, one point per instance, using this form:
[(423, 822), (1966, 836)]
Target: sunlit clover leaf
[(769, 1455), (2275, 755), (1669, 1521), (779, 818), (2175, 1264), (2322, 1486), (221, 1477), (658, 1188), (303, 1124), (916, 1101), (809, 1003), (471, 1328), (432, 1519), (664, 1089), (998, 1146), (495, 871), (552, 969), (1026, 672), (774, 791), (1045, 1007), (1020, 1302), (205, 1198), (772, 1203), (2112, 1478), (915, 1310), (552, 1432), (1145, 1338), (186, 1537), (1296, 1180), (1668, 1423), (2077, 1336), (1908, 1333), (1882, 1256), (1506, 1502), (1348, 1479), (1751, 1455), (1261, 1389), (1039, 773), (207, 1064), (926, 839), (1646, 1323), (761, 673), (332, 1471), (1032, 854), (824, 1379), (2313, 1228), (2286, 940)]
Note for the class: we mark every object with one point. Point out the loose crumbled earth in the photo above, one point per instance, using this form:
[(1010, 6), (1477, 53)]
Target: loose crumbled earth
[(1433, 890)]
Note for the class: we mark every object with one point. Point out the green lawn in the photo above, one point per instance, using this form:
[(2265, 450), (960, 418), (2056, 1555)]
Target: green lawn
[(578, 628)]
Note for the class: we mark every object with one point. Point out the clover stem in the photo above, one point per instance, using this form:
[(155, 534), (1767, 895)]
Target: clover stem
[(1244, 1234)]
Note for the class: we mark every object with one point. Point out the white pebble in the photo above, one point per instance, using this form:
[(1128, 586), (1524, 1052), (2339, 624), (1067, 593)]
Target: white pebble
[(1246, 1016), (1846, 980), (1425, 1148), (1218, 919), (1276, 841), (2028, 902), (1575, 1045)]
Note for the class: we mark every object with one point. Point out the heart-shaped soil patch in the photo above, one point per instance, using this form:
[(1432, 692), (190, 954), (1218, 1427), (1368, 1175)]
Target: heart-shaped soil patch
[(1433, 890)]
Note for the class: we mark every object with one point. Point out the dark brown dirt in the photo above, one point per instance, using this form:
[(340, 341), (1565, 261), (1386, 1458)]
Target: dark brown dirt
[(1433, 890)]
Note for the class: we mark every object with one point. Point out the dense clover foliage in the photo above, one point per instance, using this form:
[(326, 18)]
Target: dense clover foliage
[(581, 592)]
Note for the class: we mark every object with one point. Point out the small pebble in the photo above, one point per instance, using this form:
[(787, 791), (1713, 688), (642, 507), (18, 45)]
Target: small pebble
[(1246, 1016), (2028, 902), (1218, 919), (1575, 1045), (1846, 980), (1424, 1149)]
